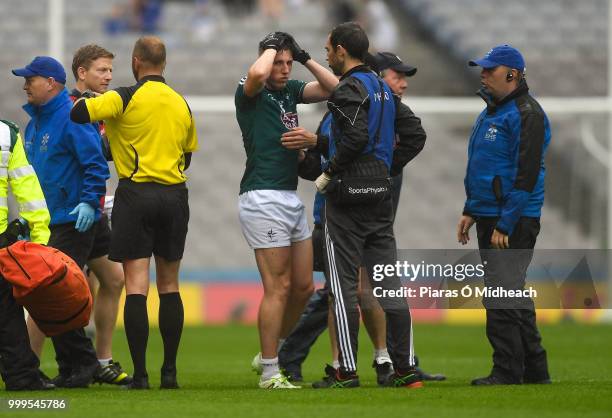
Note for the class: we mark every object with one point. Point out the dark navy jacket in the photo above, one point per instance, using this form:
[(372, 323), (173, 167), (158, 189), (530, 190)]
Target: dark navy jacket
[(356, 108), (67, 158), (408, 129), (505, 171)]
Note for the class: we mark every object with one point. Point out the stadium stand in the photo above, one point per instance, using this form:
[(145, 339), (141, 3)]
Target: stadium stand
[(562, 40)]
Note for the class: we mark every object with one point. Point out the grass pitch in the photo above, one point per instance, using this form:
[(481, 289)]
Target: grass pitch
[(216, 381)]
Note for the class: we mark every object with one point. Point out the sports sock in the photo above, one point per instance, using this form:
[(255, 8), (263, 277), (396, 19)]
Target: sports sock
[(270, 367), (171, 318), (136, 322), (381, 353), (336, 364), (104, 361)]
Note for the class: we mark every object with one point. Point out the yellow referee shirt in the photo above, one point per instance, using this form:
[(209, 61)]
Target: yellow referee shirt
[(150, 128)]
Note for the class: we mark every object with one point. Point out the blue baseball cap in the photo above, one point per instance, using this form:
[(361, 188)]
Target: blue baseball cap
[(501, 55), (44, 67)]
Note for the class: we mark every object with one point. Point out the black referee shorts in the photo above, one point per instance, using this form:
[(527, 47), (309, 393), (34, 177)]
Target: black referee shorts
[(149, 218)]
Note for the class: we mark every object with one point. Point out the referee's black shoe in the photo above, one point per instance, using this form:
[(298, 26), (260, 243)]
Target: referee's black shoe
[(168, 378), (335, 379), (407, 379)]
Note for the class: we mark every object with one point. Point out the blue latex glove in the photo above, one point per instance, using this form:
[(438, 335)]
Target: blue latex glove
[(85, 216)]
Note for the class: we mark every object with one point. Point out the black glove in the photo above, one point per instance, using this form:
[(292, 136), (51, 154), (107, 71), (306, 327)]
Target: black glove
[(298, 53), (273, 40), (13, 231)]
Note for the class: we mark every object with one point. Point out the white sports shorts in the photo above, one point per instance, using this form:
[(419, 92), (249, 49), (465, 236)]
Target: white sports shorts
[(272, 218)]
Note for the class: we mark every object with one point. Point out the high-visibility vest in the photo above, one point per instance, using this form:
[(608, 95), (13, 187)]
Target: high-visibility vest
[(17, 171)]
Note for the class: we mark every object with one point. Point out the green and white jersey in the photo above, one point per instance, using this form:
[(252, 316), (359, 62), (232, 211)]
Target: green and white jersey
[(262, 120)]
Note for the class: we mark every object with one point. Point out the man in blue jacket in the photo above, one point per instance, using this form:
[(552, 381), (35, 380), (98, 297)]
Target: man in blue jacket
[(68, 159), (504, 185)]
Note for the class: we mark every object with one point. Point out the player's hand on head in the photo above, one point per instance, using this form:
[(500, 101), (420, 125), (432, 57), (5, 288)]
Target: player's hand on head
[(273, 40), (298, 53)]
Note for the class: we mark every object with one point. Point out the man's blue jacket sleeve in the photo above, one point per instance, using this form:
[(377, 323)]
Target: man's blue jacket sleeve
[(84, 141)]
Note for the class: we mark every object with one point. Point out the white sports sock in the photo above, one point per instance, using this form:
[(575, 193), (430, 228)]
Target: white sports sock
[(270, 367), (336, 364), (104, 361), (381, 353)]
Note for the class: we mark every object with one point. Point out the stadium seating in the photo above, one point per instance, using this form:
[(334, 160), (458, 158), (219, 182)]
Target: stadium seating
[(564, 42)]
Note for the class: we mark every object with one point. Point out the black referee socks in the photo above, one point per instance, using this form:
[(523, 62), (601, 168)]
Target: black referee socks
[(171, 318), (136, 322)]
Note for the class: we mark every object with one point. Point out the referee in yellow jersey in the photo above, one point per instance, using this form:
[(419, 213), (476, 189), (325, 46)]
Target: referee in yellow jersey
[(152, 134)]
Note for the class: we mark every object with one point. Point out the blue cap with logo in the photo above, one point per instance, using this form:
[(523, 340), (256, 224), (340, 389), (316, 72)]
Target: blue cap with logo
[(501, 55), (45, 67)]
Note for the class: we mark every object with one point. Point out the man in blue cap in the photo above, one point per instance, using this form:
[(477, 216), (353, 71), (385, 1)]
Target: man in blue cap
[(68, 159), (504, 184)]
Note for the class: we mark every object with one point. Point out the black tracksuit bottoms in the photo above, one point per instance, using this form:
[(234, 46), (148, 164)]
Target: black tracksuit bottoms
[(518, 354), (18, 363), (364, 233)]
